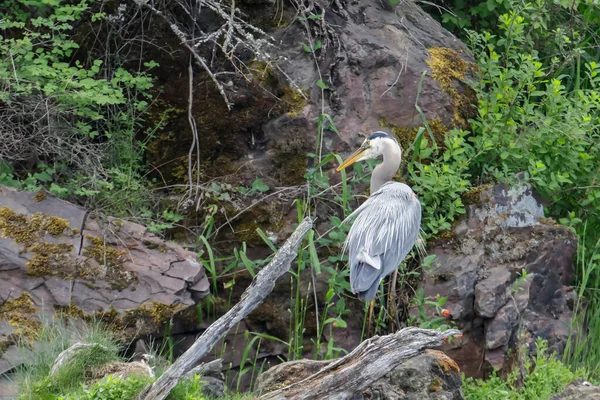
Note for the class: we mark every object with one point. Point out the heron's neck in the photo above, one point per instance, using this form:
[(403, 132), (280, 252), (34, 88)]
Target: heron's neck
[(385, 171)]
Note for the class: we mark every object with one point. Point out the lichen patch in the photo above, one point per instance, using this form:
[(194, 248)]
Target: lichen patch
[(447, 67), (20, 313)]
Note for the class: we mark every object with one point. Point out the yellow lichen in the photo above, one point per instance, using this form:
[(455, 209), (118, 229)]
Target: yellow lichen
[(27, 230), (145, 319), (436, 384), (473, 196), (39, 196), (447, 66), (20, 313), (112, 261), (443, 361), (47, 257)]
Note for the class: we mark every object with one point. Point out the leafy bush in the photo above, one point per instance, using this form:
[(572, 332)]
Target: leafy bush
[(112, 388), (69, 123), (529, 122)]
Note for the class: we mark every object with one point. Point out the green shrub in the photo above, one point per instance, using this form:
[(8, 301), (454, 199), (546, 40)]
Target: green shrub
[(112, 388)]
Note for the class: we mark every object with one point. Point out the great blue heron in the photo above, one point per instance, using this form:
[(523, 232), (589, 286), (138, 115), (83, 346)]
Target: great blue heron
[(387, 224)]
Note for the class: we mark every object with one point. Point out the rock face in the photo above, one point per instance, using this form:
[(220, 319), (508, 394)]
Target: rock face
[(372, 60), (578, 390), (373, 63), (431, 375), (54, 258), (480, 270)]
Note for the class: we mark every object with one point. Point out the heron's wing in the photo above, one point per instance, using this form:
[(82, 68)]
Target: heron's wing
[(385, 230)]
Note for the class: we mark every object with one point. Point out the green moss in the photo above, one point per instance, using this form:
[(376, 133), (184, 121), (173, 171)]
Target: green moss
[(292, 101), (445, 235), (146, 319), (267, 15), (265, 216), (51, 259), (20, 313), (26, 230), (447, 67)]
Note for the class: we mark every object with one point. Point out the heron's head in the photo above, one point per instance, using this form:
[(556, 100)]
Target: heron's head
[(372, 147)]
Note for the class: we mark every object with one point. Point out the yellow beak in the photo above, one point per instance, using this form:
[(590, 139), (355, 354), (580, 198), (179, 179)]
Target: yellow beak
[(352, 159)]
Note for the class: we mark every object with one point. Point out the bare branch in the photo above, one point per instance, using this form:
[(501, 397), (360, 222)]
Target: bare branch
[(253, 296)]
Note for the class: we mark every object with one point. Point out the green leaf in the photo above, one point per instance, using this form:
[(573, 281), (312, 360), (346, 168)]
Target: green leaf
[(306, 48), (314, 258), (318, 45), (249, 264), (259, 186), (322, 84), (340, 323)]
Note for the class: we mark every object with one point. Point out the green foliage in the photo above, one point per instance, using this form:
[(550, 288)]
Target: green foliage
[(440, 177), (113, 388), (528, 121), (55, 336), (188, 389), (544, 376), (78, 122)]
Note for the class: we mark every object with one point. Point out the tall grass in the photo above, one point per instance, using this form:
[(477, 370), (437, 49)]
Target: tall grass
[(56, 335), (583, 346)]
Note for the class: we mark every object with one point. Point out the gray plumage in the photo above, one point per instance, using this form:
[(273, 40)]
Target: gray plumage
[(386, 226)]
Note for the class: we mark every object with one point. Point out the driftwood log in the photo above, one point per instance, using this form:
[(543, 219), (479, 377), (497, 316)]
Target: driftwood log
[(367, 363), (262, 285)]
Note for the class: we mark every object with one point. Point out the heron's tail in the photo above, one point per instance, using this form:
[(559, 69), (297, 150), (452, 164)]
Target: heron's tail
[(365, 280)]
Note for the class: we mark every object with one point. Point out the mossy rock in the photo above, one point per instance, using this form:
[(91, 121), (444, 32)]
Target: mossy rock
[(20, 312), (449, 69)]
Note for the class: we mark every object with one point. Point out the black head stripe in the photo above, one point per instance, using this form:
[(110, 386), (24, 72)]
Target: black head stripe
[(380, 134)]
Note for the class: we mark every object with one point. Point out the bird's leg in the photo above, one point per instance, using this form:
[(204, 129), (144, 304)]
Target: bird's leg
[(370, 318)]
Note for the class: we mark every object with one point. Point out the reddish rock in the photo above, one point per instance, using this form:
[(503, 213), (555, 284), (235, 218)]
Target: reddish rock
[(479, 269), (90, 267)]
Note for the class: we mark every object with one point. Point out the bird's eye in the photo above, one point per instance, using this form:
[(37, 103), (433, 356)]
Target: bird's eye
[(368, 143)]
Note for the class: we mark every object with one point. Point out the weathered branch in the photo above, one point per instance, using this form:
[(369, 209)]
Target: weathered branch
[(253, 296), (184, 42), (367, 363)]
